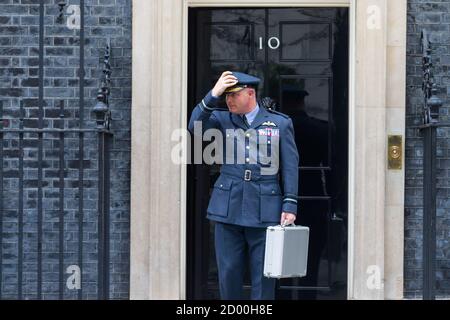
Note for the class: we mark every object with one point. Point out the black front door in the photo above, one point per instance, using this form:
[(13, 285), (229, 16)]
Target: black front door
[(301, 54)]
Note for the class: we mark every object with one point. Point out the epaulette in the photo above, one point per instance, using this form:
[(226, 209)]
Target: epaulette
[(279, 113)]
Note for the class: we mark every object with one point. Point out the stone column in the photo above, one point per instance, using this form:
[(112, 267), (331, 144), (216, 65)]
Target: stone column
[(157, 257), (395, 124), (376, 262), (370, 151)]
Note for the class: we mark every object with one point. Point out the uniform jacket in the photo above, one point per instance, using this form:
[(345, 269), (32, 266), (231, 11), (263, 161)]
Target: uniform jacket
[(244, 194)]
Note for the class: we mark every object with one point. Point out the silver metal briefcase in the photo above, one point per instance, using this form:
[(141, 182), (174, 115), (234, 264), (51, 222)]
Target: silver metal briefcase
[(286, 253)]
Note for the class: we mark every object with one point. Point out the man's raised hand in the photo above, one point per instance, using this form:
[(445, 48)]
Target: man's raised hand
[(225, 81)]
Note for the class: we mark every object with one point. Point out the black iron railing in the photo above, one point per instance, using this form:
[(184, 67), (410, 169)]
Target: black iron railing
[(430, 118), (28, 268)]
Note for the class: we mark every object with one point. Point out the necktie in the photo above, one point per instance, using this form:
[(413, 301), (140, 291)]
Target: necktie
[(245, 120)]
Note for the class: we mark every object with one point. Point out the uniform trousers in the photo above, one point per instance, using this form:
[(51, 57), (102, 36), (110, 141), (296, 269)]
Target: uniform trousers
[(232, 242)]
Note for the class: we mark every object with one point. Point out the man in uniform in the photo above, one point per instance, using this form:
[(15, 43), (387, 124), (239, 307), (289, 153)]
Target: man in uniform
[(247, 197)]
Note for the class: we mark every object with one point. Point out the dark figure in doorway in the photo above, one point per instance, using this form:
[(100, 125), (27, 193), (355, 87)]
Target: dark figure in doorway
[(311, 136)]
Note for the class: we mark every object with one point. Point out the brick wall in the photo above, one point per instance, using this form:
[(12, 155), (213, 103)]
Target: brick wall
[(19, 93), (434, 16)]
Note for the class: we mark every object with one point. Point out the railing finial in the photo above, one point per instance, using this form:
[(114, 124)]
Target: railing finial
[(432, 103), (101, 109)]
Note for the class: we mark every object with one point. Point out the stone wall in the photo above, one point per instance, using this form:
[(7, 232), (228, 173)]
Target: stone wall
[(19, 98), (434, 16)]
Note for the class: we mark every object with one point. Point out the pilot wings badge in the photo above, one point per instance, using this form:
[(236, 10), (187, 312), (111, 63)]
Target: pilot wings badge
[(269, 123)]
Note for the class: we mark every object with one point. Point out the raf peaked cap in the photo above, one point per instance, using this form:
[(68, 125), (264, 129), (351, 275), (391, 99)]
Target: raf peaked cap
[(244, 81)]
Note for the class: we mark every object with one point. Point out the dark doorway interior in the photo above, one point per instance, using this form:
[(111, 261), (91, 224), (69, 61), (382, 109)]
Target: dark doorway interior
[(302, 56)]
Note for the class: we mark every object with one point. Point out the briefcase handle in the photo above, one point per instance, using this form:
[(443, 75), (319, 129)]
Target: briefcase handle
[(287, 225)]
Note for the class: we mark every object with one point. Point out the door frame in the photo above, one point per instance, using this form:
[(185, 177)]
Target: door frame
[(376, 110)]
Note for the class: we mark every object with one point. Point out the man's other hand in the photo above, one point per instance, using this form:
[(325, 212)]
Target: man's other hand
[(287, 218)]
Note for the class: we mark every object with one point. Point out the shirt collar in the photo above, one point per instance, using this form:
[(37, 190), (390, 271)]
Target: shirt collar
[(252, 114)]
